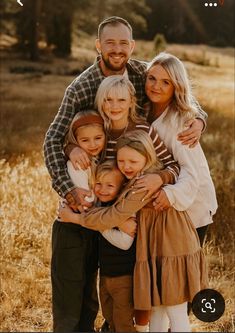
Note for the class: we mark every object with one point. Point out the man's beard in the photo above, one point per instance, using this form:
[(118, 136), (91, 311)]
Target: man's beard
[(109, 66)]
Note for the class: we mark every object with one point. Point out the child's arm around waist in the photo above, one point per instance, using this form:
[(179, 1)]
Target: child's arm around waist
[(103, 218)]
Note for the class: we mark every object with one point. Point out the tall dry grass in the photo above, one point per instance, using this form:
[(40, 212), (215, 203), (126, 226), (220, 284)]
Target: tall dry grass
[(28, 204)]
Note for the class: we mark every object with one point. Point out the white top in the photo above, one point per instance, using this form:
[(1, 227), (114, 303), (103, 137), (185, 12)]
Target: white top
[(194, 190), (81, 179)]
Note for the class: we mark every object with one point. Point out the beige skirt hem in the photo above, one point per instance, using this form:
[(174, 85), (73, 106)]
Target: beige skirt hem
[(169, 280)]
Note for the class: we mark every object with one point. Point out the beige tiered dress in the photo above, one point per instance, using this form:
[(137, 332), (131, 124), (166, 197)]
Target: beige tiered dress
[(170, 265)]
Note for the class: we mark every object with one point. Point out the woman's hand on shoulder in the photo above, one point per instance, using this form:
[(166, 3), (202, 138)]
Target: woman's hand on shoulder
[(79, 158), (161, 201), (149, 183), (191, 136)]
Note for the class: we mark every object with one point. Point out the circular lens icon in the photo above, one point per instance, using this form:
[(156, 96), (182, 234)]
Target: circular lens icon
[(208, 305)]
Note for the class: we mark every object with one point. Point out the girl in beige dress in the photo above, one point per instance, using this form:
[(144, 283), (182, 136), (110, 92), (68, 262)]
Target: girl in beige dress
[(170, 265)]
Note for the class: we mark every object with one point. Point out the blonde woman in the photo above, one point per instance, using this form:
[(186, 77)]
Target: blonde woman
[(171, 106)]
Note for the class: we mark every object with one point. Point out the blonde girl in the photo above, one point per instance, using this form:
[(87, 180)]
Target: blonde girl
[(116, 102), (170, 267)]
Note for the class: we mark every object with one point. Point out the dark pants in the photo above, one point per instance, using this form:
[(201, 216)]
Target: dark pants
[(202, 234), (201, 231), (73, 276)]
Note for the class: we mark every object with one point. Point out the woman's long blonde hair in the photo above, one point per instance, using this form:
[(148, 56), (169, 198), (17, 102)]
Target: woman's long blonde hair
[(117, 85), (183, 103), (140, 141)]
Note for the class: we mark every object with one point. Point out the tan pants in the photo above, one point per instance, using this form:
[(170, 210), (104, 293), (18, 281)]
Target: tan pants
[(116, 297)]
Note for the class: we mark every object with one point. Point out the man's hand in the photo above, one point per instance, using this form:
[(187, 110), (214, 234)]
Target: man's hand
[(192, 135), (150, 183), (129, 226), (79, 158), (161, 202), (76, 199)]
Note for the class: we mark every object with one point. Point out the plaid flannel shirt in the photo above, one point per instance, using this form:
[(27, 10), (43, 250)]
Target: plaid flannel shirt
[(79, 96)]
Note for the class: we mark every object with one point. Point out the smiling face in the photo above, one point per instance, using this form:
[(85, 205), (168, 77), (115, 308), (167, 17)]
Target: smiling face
[(116, 107), (91, 139), (108, 185), (116, 46), (130, 161), (159, 87)]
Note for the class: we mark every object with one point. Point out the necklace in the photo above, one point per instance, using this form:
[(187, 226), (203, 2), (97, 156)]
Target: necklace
[(114, 136)]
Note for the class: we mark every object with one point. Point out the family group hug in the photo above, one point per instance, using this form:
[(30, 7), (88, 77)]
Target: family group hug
[(137, 197)]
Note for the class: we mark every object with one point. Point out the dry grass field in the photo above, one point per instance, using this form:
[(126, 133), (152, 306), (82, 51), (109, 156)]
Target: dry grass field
[(29, 102)]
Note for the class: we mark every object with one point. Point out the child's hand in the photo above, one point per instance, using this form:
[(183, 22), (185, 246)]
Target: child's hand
[(79, 158), (66, 214), (161, 202), (150, 183), (77, 199), (129, 226)]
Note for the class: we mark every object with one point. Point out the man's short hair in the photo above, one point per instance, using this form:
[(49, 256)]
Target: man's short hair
[(113, 21)]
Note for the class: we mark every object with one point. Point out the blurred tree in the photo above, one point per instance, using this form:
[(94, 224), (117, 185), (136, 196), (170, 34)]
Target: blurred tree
[(58, 18), (28, 25), (51, 20), (134, 11), (8, 13)]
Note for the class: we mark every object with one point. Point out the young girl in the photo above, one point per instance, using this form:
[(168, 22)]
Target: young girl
[(170, 267), (86, 131), (116, 102), (74, 249)]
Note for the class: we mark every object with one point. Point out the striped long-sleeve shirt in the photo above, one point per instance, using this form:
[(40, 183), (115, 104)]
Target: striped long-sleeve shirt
[(170, 174)]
